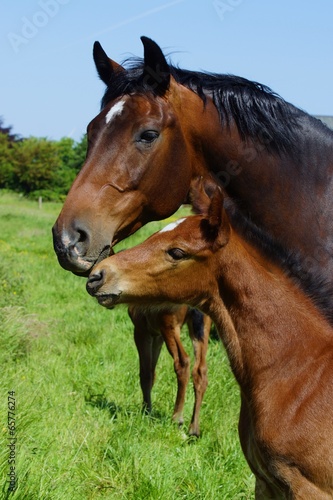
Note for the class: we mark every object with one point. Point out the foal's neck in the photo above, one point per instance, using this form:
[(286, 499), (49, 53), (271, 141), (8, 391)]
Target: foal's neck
[(264, 319)]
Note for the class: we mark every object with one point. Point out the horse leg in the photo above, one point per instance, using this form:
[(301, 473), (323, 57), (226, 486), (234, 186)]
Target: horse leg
[(156, 346), (199, 328), (149, 347), (170, 327)]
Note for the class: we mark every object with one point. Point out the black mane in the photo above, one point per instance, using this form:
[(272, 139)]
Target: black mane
[(310, 280), (258, 112)]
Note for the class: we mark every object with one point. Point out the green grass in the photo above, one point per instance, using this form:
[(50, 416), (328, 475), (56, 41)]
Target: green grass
[(74, 369)]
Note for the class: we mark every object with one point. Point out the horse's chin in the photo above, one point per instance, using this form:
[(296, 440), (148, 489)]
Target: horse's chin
[(83, 274), (108, 300)]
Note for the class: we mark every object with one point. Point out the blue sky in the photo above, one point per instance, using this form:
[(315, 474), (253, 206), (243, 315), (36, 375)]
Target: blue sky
[(49, 86)]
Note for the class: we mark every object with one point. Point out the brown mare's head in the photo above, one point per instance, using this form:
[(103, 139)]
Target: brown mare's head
[(174, 265), (138, 166)]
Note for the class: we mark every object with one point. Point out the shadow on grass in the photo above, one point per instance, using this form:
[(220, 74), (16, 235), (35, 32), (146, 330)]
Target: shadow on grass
[(102, 403), (155, 417)]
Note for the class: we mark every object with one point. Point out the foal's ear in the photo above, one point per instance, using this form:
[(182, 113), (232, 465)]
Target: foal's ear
[(199, 198), (207, 199), (106, 68), (156, 72), (217, 219), (200, 194)]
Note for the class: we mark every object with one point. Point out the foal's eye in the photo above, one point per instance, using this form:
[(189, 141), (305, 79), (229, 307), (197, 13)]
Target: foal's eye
[(177, 253), (148, 136)]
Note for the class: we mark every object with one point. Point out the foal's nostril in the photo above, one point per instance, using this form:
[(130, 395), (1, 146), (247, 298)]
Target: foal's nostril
[(95, 281)]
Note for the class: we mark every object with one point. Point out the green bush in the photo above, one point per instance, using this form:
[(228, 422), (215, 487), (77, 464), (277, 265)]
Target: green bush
[(38, 166)]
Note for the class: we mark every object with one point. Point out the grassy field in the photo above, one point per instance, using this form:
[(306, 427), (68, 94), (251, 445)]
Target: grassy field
[(72, 368)]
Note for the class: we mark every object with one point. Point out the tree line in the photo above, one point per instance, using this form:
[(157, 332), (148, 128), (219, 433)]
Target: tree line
[(39, 166)]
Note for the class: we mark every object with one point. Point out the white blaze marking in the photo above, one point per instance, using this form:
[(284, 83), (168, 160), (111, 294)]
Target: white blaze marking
[(117, 109), (171, 226)]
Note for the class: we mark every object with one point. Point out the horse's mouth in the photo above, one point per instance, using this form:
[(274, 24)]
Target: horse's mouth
[(108, 300), (106, 252)]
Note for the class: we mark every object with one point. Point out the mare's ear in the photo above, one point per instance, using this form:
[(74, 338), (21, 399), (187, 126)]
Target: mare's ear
[(106, 68), (156, 72)]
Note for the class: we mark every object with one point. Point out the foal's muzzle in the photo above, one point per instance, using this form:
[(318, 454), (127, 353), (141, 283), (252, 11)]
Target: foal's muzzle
[(95, 281)]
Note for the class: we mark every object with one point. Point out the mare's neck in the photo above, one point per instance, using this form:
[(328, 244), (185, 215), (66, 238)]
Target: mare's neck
[(265, 321)]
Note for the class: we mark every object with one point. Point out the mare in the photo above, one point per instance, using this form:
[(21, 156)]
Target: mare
[(279, 344), (161, 126), (152, 327)]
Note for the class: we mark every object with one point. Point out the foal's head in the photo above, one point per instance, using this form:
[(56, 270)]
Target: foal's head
[(175, 265)]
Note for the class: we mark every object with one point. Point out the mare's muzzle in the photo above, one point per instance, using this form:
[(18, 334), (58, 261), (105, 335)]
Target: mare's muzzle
[(72, 247)]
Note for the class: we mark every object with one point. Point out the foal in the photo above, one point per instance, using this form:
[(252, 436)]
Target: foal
[(279, 346), (152, 327)]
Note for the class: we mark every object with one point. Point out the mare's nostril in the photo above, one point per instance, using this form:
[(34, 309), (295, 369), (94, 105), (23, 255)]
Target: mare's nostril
[(74, 241), (95, 281), (80, 240), (83, 236), (79, 244), (72, 244)]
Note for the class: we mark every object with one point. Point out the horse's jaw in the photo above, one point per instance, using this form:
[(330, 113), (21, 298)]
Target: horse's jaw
[(108, 300)]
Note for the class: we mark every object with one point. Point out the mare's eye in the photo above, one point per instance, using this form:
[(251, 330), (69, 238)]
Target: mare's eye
[(148, 136), (177, 253)]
